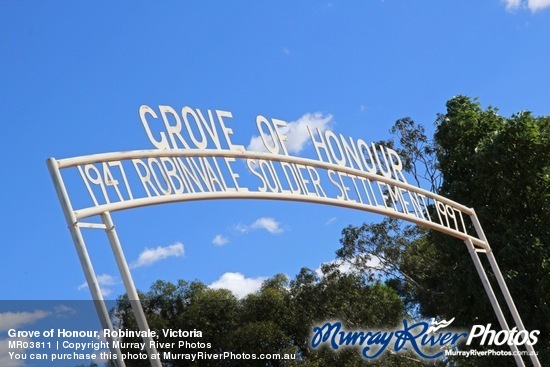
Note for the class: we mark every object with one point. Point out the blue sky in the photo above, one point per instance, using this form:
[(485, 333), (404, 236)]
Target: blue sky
[(74, 74)]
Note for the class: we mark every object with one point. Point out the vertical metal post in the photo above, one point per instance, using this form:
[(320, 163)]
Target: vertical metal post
[(130, 287), (515, 314), (504, 288), (492, 298), (83, 256)]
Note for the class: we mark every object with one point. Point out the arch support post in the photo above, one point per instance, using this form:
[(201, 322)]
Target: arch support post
[(83, 256), (130, 288), (503, 287), (492, 298)]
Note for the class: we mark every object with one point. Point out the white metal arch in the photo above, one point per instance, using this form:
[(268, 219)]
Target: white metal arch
[(475, 244)]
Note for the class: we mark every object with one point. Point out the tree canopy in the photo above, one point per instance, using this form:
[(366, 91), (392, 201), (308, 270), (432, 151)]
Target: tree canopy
[(276, 319), (498, 165)]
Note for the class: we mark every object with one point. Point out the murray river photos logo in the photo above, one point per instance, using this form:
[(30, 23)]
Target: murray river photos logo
[(428, 339)]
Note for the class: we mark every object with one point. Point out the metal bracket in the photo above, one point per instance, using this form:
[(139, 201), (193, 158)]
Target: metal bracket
[(90, 225)]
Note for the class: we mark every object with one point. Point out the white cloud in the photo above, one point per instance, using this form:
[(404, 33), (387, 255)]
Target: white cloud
[(256, 145), (512, 4), (14, 320), (267, 223), (149, 256), (5, 360), (330, 221), (536, 5), (533, 5), (345, 266), (238, 284), (63, 311), (105, 282), (296, 132), (220, 240), (242, 228)]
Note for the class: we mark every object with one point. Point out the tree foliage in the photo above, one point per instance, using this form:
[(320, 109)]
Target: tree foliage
[(277, 319), (499, 166)]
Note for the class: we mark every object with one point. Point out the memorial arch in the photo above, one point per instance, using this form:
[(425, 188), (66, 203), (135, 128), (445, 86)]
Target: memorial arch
[(206, 165)]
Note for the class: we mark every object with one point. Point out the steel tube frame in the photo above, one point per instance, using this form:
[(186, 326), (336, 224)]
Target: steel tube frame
[(503, 288), (130, 287), (492, 298), (83, 256), (139, 202), (104, 211), (85, 213), (156, 153)]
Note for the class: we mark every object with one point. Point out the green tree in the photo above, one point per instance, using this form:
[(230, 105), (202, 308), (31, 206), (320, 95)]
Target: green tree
[(277, 319), (339, 296), (499, 166), (185, 306)]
